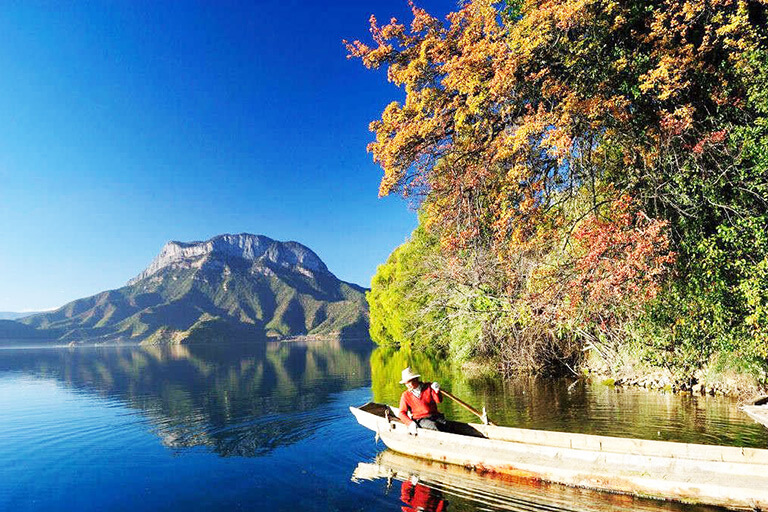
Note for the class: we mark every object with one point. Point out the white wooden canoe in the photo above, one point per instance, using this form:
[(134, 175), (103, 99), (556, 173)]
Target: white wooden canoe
[(759, 413), (719, 475)]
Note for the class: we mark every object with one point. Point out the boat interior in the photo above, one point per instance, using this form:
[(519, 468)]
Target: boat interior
[(454, 427)]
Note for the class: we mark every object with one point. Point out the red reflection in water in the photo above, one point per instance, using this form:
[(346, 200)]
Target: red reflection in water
[(418, 498)]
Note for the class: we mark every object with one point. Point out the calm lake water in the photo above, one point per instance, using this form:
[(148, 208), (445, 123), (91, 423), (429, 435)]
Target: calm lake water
[(239, 427)]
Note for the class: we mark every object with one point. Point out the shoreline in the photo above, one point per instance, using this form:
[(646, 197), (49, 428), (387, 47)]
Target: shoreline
[(740, 386)]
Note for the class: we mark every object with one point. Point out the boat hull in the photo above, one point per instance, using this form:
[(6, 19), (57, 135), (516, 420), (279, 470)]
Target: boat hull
[(725, 476), (759, 413)]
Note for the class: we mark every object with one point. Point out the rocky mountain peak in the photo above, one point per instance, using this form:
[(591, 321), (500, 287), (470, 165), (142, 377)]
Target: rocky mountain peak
[(252, 248)]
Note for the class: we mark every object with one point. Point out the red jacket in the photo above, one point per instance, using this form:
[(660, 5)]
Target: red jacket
[(421, 407)]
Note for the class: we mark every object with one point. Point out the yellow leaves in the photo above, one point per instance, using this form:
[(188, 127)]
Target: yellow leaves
[(485, 17), (499, 119), (570, 13), (619, 22), (529, 34), (557, 142), (504, 148), (692, 9), (388, 183), (691, 41), (542, 278), (516, 174), (530, 128), (668, 78), (392, 30), (735, 28)]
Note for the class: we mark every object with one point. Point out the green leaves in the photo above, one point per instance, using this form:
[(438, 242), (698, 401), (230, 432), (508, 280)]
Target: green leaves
[(400, 295)]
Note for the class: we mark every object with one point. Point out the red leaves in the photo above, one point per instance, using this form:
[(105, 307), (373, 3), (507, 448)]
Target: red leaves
[(622, 259), (712, 138)]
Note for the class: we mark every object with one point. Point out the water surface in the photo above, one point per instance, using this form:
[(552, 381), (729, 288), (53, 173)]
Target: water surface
[(243, 427)]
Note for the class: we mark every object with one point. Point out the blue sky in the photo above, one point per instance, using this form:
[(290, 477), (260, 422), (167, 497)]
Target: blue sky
[(125, 124)]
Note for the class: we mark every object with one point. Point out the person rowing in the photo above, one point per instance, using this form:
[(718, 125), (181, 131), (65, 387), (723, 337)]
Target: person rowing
[(418, 404)]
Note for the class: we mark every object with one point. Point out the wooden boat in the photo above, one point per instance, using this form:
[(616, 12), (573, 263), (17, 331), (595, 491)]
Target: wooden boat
[(759, 413), (718, 475), (758, 410)]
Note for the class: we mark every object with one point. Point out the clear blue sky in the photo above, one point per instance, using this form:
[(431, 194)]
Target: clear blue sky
[(125, 124)]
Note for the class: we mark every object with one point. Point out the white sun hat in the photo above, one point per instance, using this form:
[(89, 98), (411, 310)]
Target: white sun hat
[(408, 375)]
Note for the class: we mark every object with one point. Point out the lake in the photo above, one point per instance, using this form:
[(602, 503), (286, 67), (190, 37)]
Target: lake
[(267, 426)]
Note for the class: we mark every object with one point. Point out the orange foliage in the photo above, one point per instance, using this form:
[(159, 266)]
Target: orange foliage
[(499, 116), (507, 121)]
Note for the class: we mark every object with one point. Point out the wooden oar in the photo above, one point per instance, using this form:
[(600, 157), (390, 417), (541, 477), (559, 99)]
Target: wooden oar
[(482, 415)]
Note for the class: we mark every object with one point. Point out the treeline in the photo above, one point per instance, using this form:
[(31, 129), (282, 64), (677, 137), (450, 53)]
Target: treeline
[(591, 178)]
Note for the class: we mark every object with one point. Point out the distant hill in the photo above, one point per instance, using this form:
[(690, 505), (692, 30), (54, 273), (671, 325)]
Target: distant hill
[(243, 286), (8, 315), (20, 333)]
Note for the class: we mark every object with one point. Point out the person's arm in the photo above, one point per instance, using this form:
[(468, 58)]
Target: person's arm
[(403, 413), (435, 387)]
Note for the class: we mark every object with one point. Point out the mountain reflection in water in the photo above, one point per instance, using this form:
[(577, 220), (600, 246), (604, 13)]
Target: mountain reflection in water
[(235, 399)]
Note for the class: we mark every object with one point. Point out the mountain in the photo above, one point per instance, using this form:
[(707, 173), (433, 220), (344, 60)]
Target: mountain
[(231, 286)]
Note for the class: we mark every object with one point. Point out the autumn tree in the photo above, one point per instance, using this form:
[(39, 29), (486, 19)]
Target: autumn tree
[(543, 129)]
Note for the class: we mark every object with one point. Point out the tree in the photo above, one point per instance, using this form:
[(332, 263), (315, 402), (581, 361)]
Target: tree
[(536, 129)]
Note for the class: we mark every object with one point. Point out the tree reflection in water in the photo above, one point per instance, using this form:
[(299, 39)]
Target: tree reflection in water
[(573, 405)]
